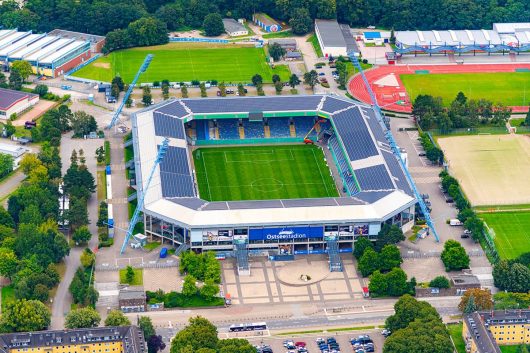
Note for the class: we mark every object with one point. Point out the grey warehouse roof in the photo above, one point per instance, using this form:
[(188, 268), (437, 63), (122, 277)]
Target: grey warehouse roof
[(437, 38), (330, 33), (232, 25), (9, 97)]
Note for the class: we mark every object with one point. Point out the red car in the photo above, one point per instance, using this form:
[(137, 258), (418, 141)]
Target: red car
[(300, 344)]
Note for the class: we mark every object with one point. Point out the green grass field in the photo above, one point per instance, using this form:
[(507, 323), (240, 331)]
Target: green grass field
[(184, 62), (455, 330), (510, 88), (512, 232), (509, 349), (262, 173)]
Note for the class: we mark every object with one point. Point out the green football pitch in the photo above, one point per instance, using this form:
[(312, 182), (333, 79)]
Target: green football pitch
[(512, 232), (510, 88), (184, 62), (262, 173)]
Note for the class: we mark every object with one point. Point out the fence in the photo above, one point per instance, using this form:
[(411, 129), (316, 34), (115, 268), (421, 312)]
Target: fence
[(490, 130), (198, 40), (490, 248)]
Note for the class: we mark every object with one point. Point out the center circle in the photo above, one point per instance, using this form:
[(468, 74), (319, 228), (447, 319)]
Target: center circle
[(267, 184)]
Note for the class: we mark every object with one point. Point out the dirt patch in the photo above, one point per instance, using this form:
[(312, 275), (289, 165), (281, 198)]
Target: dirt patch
[(35, 112), (102, 65)]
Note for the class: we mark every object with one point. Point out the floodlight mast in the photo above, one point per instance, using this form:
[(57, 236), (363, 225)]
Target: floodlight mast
[(393, 145), (142, 69), (136, 215)]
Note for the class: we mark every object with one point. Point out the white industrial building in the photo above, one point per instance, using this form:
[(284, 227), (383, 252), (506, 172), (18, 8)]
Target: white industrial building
[(331, 38), (15, 102), (234, 28)]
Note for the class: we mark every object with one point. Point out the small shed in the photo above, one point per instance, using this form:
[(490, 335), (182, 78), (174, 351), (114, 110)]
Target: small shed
[(132, 300)]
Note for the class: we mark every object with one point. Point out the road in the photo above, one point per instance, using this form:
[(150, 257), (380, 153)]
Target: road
[(63, 299), (10, 184)]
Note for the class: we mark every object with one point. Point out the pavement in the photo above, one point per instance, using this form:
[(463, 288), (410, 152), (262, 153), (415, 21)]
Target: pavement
[(9, 185)]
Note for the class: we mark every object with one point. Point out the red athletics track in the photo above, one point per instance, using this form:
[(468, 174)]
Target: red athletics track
[(387, 96)]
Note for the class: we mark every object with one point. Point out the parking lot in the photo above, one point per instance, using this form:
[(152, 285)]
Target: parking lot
[(276, 343)]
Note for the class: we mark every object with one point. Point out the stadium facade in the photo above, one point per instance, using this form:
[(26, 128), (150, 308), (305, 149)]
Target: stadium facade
[(504, 37), (49, 55), (374, 188)]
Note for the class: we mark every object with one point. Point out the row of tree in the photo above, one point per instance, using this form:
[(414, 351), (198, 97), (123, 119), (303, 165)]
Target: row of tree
[(430, 112), (513, 275)]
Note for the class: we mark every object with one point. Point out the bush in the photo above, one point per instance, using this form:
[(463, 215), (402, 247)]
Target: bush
[(439, 282)]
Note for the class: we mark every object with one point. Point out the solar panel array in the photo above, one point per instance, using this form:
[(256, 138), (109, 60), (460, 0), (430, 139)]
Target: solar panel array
[(343, 165), (374, 178), (375, 126), (174, 108), (332, 104), (175, 174), (395, 169), (168, 126), (355, 136), (253, 104)]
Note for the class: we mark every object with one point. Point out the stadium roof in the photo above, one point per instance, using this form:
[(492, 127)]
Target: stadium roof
[(9, 97), (330, 33), (383, 185), (437, 38)]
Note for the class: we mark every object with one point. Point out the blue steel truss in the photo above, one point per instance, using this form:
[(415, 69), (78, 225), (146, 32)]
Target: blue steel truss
[(393, 145), (435, 49), (144, 67), (136, 215)]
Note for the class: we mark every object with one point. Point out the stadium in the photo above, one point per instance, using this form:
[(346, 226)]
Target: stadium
[(276, 176)]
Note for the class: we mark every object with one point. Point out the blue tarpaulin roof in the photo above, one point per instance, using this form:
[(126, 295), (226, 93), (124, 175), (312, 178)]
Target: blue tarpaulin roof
[(372, 35)]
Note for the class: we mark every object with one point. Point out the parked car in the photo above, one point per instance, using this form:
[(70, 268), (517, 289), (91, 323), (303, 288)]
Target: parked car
[(321, 74)]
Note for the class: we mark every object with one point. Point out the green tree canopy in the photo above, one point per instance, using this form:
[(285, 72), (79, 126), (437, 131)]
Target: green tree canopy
[(82, 318), (454, 256), (23, 67), (116, 318), (199, 333), (276, 51), (213, 25), (25, 315)]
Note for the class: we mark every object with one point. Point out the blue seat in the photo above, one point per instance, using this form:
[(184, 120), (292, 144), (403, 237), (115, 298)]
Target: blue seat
[(253, 129), (228, 129), (279, 127)]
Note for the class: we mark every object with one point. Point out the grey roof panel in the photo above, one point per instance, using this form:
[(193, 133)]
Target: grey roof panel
[(216, 206), (177, 185), (310, 202), (189, 202), (330, 33), (174, 108), (397, 172), (348, 201), (167, 126), (372, 196), (241, 205), (332, 104)]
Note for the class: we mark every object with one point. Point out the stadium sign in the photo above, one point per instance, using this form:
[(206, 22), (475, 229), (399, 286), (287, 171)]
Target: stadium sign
[(286, 233)]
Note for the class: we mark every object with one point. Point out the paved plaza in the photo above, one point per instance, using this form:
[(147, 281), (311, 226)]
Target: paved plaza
[(269, 284)]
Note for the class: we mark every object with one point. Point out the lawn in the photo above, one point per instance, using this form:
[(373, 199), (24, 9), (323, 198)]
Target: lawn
[(509, 349), (152, 245), (512, 232), (455, 330), (509, 88), (8, 294), (316, 45), (262, 173), (283, 34), (138, 277), (184, 62), (102, 185)]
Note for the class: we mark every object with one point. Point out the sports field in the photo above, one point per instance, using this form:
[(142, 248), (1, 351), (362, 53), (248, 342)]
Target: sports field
[(184, 62), (492, 169), (262, 173), (512, 232), (510, 88)]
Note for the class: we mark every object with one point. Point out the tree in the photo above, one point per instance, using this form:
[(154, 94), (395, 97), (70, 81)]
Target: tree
[(470, 306), (77, 215), (189, 288), (147, 31), (184, 91), (213, 25), (155, 344), (82, 318), (294, 81), (311, 78), (83, 124), (15, 80), (506, 300), (257, 79), (117, 80), (115, 91), (360, 246), (420, 336), (6, 164), (301, 22), (147, 98), (276, 51), (9, 128), (278, 86), (23, 67), (82, 235), (103, 215), (8, 262), (116, 318), (100, 154), (129, 274), (454, 256), (25, 315), (3, 81), (241, 89), (202, 87), (526, 119), (199, 333), (390, 257), (145, 323), (407, 309), (235, 345), (165, 89), (209, 290), (369, 262), (87, 258), (389, 234), (378, 285), (5, 218), (41, 90), (439, 282), (397, 282), (482, 299), (222, 89)]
